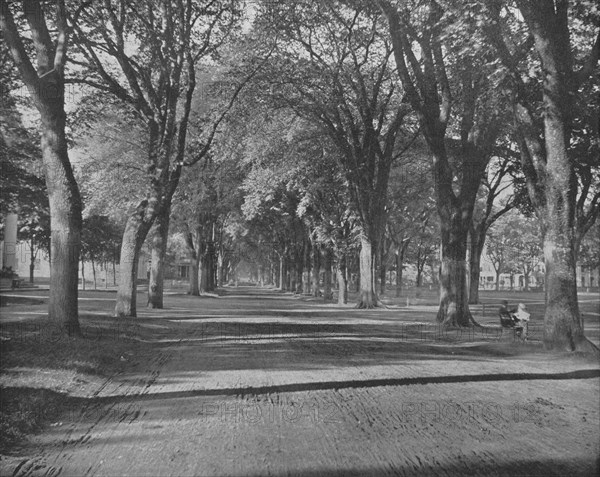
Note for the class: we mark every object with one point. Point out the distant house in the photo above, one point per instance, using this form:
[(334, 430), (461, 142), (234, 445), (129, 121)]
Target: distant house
[(586, 278)]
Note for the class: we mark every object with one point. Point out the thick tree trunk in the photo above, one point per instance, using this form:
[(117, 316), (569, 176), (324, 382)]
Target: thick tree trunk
[(204, 272), (136, 230), (563, 327), (368, 297), (65, 216), (194, 272), (82, 274), (289, 274), (549, 169), (328, 262), (292, 276), (306, 282), (342, 281), (454, 309), (497, 281)]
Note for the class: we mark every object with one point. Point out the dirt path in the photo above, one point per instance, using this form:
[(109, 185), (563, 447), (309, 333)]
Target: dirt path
[(257, 383)]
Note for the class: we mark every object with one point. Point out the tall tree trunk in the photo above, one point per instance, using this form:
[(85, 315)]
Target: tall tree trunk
[(382, 269), (220, 269), (114, 270), (282, 272), (292, 273), (368, 297), (47, 89), (399, 257), (342, 280), (194, 279), (31, 262), (204, 273), (82, 273), (288, 274), (551, 177), (497, 287), (454, 309), (316, 269), (307, 269), (93, 271), (563, 327), (65, 219), (420, 266), (300, 271), (327, 263), (226, 269), (474, 270), (210, 267), (136, 229), (192, 244), (358, 277)]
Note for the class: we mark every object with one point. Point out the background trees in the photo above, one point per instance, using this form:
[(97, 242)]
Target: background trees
[(514, 247), (146, 54), (339, 104), (343, 79), (497, 196)]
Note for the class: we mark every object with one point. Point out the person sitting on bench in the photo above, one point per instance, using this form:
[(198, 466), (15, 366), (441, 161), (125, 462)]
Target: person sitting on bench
[(507, 318), (522, 317)]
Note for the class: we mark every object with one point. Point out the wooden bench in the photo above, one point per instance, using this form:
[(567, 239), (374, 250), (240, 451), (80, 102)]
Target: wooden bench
[(17, 283), (506, 321)]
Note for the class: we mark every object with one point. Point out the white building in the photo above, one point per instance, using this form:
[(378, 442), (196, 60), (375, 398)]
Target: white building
[(17, 255)]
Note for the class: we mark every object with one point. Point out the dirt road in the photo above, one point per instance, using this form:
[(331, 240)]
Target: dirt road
[(258, 383)]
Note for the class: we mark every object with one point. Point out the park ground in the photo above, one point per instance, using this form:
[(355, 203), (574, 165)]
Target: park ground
[(257, 382)]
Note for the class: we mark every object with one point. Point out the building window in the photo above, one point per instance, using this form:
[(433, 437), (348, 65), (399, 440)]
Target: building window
[(184, 271)]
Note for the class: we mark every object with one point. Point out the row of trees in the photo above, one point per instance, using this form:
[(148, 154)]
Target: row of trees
[(344, 98)]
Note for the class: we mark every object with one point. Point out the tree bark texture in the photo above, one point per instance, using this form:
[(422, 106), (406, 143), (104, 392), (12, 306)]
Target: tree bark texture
[(316, 269), (454, 308), (159, 235), (474, 270), (382, 269), (368, 297), (342, 280), (136, 229), (46, 87), (327, 264)]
